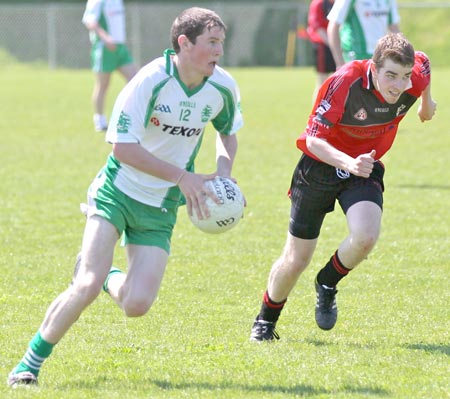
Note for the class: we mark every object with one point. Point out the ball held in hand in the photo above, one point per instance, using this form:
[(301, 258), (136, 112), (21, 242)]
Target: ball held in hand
[(227, 213)]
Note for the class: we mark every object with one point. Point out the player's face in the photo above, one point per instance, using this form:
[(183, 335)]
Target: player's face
[(391, 80), (207, 50)]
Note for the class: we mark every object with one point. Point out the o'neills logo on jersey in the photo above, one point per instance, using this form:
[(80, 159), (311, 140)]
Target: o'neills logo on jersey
[(400, 109), (181, 130), (361, 115), (123, 123), (206, 113)]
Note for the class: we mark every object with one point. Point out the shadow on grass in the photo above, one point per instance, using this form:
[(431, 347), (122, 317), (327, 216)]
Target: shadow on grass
[(445, 349), (300, 390), (303, 390), (430, 348), (321, 343), (424, 186)]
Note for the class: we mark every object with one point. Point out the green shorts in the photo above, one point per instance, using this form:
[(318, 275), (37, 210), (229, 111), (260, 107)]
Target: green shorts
[(139, 223), (104, 60)]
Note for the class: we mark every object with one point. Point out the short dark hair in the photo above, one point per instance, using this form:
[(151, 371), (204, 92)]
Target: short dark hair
[(396, 47), (192, 22)]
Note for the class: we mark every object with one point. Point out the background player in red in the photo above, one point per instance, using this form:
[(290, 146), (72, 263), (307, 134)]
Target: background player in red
[(354, 122), (317, 33)]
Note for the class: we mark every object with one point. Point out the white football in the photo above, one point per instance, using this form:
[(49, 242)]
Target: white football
[(225, 215)]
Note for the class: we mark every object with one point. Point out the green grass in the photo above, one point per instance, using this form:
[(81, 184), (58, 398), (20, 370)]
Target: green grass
[(428, 31), (392, 336)]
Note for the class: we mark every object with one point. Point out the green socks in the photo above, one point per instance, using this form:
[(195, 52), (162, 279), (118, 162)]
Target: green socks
[(111, 272), (38, 350)]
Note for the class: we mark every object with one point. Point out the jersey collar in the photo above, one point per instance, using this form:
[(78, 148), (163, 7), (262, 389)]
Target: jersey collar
[(172, 70), (367, 80), (170, 66)]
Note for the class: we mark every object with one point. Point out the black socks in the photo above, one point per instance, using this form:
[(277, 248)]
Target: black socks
[(333, 272), (270, 310)]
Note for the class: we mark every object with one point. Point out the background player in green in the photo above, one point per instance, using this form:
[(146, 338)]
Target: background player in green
[(105, 20), (355, 26), (156, 130), (353, 124)]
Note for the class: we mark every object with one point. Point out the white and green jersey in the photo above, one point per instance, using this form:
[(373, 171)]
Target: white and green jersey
[(156, 110), (363, 22), (110, 15)]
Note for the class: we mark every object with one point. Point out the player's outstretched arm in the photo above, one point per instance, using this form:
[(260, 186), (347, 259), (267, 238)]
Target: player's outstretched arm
[(427, 106)]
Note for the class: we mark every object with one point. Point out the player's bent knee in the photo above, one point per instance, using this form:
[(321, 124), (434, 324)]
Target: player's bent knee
[(137, 308), (366, 242)]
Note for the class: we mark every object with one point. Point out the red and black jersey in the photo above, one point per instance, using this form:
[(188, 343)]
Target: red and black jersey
[(352, 116)]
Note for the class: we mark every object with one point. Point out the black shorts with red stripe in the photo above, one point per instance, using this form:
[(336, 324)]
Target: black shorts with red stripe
[(316, 186)]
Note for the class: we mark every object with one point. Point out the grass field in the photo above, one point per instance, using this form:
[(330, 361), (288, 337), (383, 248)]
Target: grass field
[(392, 338)]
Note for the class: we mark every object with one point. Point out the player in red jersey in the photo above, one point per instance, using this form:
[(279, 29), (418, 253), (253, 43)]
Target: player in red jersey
[(353, 123), (317, 33)]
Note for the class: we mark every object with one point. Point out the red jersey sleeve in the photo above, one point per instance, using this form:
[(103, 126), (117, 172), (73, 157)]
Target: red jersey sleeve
[(316, 20), (421, 75)]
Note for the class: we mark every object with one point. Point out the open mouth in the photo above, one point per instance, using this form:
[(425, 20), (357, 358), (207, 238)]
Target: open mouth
[(393, 95)]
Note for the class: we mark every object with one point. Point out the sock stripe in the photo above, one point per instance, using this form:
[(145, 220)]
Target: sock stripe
[(32, 360), (271, 304), (340, 268), (32, 357)]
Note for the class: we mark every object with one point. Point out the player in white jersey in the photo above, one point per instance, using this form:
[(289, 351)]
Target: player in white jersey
[(356, 25), (171, 124), (156, 129), (105, 20)]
